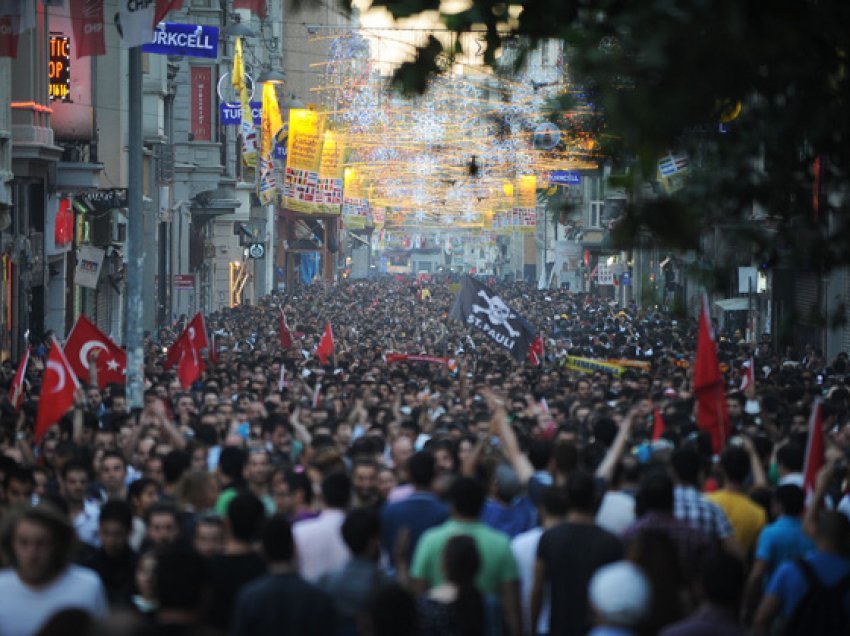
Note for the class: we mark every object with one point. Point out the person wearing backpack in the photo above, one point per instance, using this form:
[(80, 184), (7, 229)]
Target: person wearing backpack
[(812, 593)]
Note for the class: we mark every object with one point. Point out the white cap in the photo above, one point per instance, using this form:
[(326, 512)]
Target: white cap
[(620, 593)]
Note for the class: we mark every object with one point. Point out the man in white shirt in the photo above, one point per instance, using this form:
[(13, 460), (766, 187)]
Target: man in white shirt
[(38, 543), (552, 511), (320, 548), (84, 513)]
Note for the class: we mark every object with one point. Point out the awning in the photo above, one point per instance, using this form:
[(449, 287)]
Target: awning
[(733, 304)]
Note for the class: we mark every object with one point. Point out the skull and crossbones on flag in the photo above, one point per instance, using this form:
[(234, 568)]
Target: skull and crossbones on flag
[(480, 307)]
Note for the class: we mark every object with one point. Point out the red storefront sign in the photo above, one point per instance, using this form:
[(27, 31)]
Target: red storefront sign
[(201, 107)]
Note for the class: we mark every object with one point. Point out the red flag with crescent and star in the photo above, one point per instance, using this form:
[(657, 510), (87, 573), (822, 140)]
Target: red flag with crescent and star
[(86, 338), (57, 390)]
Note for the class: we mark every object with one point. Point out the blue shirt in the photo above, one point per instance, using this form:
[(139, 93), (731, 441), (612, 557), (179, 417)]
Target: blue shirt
[(782, 540), (418, 512), (790, 585), (514, 519)]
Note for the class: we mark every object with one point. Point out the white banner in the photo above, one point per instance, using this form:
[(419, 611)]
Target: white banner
[(89, 262), (136, 18)]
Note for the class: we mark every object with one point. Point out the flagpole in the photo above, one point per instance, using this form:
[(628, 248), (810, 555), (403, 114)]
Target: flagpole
[(135, 229)]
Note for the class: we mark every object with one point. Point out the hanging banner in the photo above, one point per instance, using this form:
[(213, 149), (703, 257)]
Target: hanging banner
[(192, 40), (524, 217), (304, 150), (89, 262), (87, 23), (201, 99), (355, 207), (329, 191)]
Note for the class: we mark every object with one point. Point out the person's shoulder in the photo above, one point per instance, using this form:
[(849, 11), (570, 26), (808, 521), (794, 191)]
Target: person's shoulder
[(80, 575), (8, 576)]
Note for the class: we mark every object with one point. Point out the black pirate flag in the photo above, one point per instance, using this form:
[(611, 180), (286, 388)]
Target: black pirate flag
[(480, 307)]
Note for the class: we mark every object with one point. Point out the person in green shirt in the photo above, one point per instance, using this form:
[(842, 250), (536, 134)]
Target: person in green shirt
[(497, 578)]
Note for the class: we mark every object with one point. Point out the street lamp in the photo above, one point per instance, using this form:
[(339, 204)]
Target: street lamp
[(272, 76)]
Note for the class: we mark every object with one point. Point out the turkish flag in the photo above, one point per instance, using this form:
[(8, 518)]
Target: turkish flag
[(815, 458), (708, 385), (84, 338), (163, 7), (194, 336), (16, 391), (190, 366), (535, 351), (658, 426), (326, 345), (255, 6), (57, 390), (87, 23), (285, 333)]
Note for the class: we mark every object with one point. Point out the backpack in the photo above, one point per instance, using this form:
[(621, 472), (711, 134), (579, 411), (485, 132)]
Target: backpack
[(822, 611)]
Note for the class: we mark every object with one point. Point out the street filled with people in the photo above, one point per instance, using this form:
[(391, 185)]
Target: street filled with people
[(355, 459)]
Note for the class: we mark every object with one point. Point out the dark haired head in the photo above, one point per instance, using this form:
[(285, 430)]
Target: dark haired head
[(722, 577), (119, 511), (655, 493), (245, 516), (581, 492), (791, 499), (231, 462), (336, 490), (181, 579), (174, 464), (686, 463), (278, 544), (47, 516), (421, 467), (735, 462), (467, 496), (361, 530)]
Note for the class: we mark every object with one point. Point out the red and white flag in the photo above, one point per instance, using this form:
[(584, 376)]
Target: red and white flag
[(712, 415), (57, 390), (87, 24), (285, 333), (535, 351), (16, 16), (139, 19), (189, 367), (86, 338), (194, 335), (326, 345), (18, 388), (815, 447), (748, 377), (186, 352), (255, 6)]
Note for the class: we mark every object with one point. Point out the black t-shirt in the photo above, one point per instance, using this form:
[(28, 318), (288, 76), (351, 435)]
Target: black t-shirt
[(228, 573), (571, 553)]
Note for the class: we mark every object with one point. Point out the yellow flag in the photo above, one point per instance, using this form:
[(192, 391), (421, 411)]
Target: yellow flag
[(272, 121), (249, 135), (237, 76)]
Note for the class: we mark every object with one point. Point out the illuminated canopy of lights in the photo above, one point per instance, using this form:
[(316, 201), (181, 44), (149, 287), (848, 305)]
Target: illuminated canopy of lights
[(453, 155)]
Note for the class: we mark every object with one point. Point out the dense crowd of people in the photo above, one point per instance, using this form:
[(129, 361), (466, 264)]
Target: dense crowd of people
[(465, 495)]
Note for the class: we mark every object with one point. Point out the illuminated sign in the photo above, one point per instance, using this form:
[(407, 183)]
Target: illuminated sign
[(59, 68)]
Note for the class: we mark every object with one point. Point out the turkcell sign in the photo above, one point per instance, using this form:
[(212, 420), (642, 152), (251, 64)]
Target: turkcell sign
[(193, 40), (231, 113), (564, 177)]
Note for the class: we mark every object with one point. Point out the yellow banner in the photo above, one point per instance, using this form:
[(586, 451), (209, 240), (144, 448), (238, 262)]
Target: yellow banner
[(589, 365), (329, 196), (304, 152)]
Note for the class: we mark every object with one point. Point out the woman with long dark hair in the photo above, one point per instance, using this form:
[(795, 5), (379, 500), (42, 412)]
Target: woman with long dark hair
[(456, 607)]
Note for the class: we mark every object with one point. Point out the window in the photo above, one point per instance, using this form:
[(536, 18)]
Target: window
[(595, 219)]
